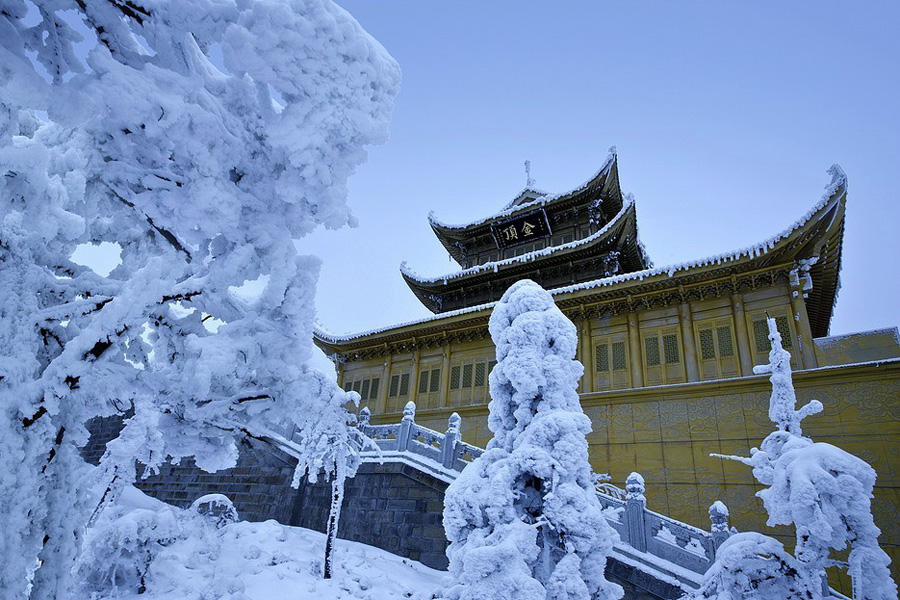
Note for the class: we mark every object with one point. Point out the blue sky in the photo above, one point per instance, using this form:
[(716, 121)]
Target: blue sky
[(726, 116)]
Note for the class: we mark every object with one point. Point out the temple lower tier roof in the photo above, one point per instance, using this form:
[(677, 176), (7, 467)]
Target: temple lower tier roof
[(613, 250)]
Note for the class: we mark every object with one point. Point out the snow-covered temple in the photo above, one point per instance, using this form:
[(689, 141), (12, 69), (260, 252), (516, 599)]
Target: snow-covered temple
[(668, 351)]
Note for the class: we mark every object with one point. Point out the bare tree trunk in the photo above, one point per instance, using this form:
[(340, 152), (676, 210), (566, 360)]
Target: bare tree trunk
[(334, 516)]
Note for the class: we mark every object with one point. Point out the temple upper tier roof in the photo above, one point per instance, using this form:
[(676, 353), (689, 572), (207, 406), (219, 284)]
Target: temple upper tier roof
[(613, 249), (602, 189), (812, 246)]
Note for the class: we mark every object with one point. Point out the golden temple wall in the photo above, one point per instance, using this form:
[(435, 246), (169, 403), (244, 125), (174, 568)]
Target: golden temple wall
[(667, 433), (664, 417)]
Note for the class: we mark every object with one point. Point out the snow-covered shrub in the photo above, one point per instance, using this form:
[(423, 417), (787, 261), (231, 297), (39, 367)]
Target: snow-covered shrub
[(217, 508), (823, 491), (199, 138), (752, 566), (119, 548), (523, 520)]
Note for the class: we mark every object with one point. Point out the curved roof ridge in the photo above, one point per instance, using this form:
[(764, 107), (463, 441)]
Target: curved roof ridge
[(527, 257), (510, 208), (835, 189)]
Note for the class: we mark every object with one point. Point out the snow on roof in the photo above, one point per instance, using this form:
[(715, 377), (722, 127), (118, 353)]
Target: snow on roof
[(838, 181), (512, 207), (835, 340), (527, 257)]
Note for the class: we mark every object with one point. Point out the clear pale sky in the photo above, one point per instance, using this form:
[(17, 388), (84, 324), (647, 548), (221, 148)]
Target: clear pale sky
[(726, 116)]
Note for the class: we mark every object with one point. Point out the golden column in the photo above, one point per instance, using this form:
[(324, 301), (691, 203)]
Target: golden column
[(634, 352), (445, 377), (386, 385), (743, 337), (414, 378), (587, 382), (687, 336)]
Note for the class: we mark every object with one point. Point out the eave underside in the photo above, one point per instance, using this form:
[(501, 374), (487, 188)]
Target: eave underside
[(605, 185), (821, 236)]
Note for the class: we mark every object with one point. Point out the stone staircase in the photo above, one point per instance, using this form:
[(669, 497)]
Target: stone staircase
[(669, 556)]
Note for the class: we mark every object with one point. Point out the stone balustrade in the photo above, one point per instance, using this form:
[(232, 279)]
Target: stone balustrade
[(446, 451), (646, 536)]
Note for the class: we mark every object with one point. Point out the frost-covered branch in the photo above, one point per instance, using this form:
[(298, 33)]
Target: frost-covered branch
[(151, 143), (821, 490)]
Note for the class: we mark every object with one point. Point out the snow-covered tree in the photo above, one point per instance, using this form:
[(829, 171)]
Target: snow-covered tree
[(823, 491), (523, 520), (198, 139), (329, 446), (752, 566)]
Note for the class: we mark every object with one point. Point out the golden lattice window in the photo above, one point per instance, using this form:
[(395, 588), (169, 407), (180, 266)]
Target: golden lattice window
[(454, 377), (394, 390), (761, 333), (423, 382), (707, 346), (366, 388), (618, 356), (670, 349), (404, 384), (651, 345), (602, 358), (723, 335), (467, 376), (479, 374), (435, 381)]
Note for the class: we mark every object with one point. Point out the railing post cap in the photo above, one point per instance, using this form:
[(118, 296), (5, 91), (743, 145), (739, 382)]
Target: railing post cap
[(718, 509), (634, 486), (409, 411)]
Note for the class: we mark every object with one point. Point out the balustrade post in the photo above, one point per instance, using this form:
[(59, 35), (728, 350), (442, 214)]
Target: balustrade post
[(448, 448), (718, 517), (635, 505), (406, 425), (363, 420)]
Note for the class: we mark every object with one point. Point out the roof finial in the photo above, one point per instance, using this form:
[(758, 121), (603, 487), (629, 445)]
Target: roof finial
[(529, 182)]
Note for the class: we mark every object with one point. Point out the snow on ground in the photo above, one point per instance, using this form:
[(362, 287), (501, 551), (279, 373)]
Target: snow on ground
[(270, 561), (275, 562)]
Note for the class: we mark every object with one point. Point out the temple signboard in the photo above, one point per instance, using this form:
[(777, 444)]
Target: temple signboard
[(524, 228)]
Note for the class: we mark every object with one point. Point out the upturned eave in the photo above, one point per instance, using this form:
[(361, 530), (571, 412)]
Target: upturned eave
[(818, 234), (604, 184)]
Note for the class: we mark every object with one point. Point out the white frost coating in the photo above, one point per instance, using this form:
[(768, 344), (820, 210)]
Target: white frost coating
[(832, 193), (719, 507), (524, 258), (203, 186), (511, 208), (783, 402), (823, 491), (752, 566), (180, 557), (523, 520)]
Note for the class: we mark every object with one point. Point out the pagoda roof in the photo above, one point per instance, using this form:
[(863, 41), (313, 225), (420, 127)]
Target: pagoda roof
[(815, 238), (604, 183), (619, 233)]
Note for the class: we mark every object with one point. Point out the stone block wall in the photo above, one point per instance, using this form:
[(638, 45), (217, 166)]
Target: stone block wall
[(391, 506), (259, 484)]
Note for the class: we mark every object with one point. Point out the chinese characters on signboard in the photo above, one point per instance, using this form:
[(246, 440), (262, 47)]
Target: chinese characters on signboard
[(525, 228)]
